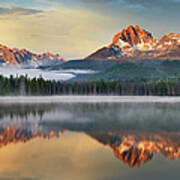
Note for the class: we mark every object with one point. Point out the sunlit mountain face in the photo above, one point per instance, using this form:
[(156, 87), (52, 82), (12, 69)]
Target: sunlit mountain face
[(24, 58), (132, 137), (135, 43)]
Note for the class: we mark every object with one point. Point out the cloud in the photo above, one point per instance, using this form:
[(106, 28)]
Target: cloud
[(144, 3), (76, 28), (71, 32), (153, 3), (128, 3), (17, 11), (82, 1), (96, 1)]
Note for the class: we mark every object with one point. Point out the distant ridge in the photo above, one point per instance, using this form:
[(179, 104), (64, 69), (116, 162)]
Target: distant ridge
[(18, 57), (137, 43)]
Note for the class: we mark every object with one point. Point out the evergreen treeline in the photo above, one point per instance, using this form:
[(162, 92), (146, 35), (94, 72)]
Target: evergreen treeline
[(22, 85)]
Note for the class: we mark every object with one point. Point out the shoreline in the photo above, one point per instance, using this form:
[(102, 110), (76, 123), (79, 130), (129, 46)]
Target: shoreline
[(87, 99)]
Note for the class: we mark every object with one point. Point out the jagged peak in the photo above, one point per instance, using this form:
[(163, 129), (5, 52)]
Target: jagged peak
[(17, 56), (136, 43), (133, 35)]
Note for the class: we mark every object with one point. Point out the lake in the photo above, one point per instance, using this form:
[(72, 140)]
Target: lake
[(89, 138)]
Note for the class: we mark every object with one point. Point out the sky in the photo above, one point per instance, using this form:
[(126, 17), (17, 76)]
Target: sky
[(76, 28)]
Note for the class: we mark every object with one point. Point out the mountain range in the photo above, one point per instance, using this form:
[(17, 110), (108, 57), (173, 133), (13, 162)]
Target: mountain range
[(135, 43), (134, 149), (24, 57), (134, 55)]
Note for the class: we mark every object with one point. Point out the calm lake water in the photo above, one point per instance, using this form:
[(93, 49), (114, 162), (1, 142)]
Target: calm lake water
[(90, 141)]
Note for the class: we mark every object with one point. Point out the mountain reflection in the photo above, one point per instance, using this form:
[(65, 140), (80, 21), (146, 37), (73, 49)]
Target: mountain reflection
[(136, 148), (134, 138), (16, 135)]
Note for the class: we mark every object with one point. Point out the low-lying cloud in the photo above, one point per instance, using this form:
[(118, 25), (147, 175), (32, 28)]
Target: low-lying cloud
[(61, 75)]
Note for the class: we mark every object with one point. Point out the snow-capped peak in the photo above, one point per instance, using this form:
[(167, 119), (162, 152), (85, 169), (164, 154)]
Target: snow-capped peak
[(136, 42)]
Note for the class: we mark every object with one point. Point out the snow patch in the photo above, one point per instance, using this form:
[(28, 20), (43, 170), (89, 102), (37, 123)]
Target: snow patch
[(175, 38), (135, 47), (122, 43), (160, 46), (168, 43), (141, 45), (150, 46)]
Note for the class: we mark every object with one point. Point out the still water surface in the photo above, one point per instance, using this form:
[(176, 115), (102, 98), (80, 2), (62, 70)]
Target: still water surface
[(90, 141)]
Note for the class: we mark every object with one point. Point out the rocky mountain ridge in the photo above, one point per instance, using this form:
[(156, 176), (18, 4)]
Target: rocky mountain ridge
[(24, 57), (137, 43)]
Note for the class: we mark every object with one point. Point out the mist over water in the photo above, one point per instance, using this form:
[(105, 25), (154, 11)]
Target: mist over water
[(92, 140), (87, 99), (105, 116)]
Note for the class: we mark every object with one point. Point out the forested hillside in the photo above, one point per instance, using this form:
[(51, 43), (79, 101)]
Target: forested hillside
[(38, 86), (125, 71)]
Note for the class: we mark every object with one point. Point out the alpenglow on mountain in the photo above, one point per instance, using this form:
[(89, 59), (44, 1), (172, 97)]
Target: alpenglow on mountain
[(24, 57), (135, 43)]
